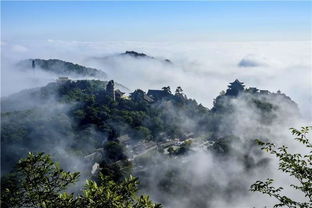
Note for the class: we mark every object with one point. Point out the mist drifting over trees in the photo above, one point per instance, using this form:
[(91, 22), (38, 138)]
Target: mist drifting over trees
[(156, 104)]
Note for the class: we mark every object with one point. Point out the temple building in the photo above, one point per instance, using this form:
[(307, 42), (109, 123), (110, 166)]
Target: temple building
[(158, 94), (139, 95), (252, 90), (266, 92), (235, 88)]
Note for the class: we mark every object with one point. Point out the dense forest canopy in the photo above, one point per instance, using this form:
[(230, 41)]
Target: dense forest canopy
[(155, 104), (61, 68), (99, 129)]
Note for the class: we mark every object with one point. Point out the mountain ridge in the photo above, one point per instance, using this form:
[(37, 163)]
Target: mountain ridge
[(93, 126), (61, 68)]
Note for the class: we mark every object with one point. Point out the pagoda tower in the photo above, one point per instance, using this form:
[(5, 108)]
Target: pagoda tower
[(235, 88)]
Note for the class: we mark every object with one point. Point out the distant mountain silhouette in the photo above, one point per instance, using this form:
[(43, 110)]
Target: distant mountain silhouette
[(135, 54), (61, 67)]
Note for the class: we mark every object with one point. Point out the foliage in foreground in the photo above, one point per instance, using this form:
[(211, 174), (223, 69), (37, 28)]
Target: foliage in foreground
[(39, 182), (295, 165)]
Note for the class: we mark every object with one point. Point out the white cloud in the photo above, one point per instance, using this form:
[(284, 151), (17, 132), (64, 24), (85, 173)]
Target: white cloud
[(202, 69), (252, 61), (19, 48)]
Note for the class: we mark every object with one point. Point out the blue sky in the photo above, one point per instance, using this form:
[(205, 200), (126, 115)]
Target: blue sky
[(156, 21)]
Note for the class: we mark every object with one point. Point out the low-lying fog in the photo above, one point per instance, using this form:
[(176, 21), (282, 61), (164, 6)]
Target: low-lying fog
[(202, 69)]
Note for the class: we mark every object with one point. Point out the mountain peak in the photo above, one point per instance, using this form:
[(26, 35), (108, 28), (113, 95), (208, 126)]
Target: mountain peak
[(61, 68), (136, 54)]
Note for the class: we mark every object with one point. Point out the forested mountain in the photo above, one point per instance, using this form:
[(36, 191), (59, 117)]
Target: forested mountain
[(91, 126), (61, 68)]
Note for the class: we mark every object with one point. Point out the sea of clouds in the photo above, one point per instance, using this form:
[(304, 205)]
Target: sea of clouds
[(202, 69)]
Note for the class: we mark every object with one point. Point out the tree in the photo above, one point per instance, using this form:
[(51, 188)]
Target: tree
[(113, 195), (142, 133), (252, 90), (170, 150), (179, 91), (166, 89), (114, 151), (36, 182), (39, 182), (179, 95), (116, 171), (296, 165)]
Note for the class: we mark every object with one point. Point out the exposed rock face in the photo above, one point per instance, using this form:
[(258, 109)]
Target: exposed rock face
[(110, 89)]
